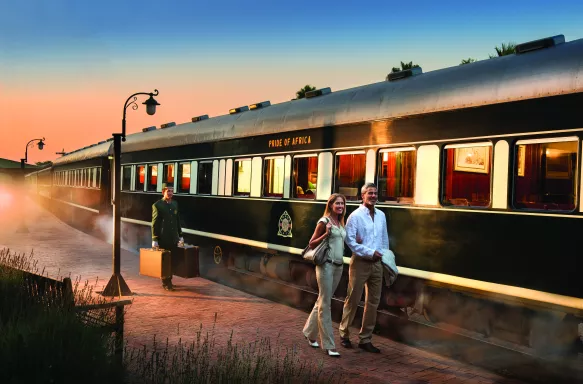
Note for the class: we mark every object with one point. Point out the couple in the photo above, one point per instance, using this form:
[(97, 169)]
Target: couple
[(366, 235)]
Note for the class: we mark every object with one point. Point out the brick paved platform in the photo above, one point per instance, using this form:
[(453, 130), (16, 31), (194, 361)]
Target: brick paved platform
[(64, 251)]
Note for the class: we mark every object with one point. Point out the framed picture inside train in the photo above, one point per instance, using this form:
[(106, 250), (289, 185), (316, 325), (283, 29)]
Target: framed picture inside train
[(472, 159)]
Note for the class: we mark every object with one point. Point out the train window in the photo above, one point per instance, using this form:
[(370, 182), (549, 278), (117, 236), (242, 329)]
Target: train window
[(169, 174), (350, 173), (152, 177), (545, 174), (467, 175), (126, 182), (305, 176), (141, 177), (98, 177), (242, 177), (396, 175), (205, 177), (273, 175), (184, 177)]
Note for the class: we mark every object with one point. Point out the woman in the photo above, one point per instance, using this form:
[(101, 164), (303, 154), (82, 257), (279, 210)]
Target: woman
[(330, 226)]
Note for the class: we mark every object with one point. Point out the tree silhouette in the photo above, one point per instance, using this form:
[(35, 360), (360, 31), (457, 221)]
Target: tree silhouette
[(404, 66), (467, 61), (302, 92), (505, 49)]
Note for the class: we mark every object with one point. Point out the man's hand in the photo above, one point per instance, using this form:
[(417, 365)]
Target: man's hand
[(377, 256), (181, 242), (154, 244)]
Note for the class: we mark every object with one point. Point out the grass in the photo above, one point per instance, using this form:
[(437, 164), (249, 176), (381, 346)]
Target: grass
[(203, 361), (43, 341)]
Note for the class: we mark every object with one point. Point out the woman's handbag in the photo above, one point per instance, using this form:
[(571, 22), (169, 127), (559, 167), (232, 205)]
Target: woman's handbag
[(318, 255)]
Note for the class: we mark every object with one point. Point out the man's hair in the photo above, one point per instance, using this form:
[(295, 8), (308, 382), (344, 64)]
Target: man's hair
[(367, 186)]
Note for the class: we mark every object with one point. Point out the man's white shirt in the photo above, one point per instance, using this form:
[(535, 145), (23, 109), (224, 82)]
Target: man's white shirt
[(374, 234)]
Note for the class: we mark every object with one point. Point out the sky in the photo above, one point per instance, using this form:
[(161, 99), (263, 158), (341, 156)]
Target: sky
[(67, 66)]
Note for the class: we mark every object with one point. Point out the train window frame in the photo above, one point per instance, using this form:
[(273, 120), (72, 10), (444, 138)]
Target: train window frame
[(124, 174), (335, 156), (444, 163), (293, 184), (264, 193), (153, 188), (98, 177), (235, 192), (94, 177), (198, 184), (137, 179), (576, 171), (178, 188), (379, 164), (165, 173)]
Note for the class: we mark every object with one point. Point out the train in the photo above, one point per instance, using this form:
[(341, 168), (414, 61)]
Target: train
[(478, 169)]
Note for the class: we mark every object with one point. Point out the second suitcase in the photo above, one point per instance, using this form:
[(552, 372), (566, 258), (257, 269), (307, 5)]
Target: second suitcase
[(185, 262)]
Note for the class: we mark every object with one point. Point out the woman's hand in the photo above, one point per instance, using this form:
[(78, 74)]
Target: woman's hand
[(328, 228)]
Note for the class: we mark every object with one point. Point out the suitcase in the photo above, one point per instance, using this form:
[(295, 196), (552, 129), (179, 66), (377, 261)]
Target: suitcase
[(185, 261), (155, 263)]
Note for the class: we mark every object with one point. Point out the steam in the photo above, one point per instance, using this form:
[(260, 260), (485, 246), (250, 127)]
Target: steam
[(132, 237)]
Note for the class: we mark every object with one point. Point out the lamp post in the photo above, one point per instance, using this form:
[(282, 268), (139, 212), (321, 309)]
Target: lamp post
[(40, 144), (117, 285)]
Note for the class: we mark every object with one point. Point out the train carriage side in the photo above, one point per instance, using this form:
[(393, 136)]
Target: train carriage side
[(482, 197), (81, 189)]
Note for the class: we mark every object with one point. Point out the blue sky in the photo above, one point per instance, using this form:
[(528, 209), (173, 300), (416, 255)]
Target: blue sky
[(207, 57)]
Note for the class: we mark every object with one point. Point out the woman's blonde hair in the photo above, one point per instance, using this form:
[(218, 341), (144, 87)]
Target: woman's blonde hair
[(328, 211)]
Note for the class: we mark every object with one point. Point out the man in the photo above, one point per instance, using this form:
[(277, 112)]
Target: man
[(367, 237), (166, 231)]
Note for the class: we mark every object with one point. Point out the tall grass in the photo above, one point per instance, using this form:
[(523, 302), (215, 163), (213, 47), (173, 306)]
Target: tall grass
[(42, 340), (203, 361)]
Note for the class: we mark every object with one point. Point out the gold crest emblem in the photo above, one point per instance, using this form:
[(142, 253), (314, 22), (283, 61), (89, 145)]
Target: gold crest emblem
[(218, 255), (285, 225)]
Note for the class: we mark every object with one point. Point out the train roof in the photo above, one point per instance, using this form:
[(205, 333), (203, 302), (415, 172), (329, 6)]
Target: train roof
[(545, 72), (96, 150)]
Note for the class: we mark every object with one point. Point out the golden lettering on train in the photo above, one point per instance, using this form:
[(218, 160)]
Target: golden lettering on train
[(293, 141)]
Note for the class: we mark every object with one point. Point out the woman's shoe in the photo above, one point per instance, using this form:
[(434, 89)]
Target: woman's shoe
[(333, 353), (313, 344)]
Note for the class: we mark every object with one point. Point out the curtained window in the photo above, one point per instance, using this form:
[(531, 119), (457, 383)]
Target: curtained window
[(205, 177), (305, 176), (242, 177), (141, 177), (99, 177), (184, 177), (396, 175), (152, 178), (468, 175), (273, 177), (350, 173), (169, 175), (545, 174)]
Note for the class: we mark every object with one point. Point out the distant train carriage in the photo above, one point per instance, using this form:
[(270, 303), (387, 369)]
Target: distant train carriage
[(479, 173)]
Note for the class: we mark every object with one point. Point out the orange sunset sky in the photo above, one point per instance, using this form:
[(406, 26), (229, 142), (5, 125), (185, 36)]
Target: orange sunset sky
[(67, 67)]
